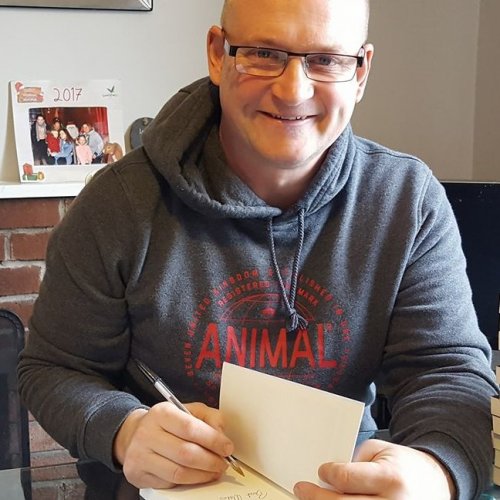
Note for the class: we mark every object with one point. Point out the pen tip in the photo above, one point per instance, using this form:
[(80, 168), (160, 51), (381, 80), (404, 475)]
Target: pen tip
[(234, 464), (238, 469)]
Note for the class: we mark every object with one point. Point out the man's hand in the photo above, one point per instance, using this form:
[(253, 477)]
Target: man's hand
[(382, 470), (165, 446)]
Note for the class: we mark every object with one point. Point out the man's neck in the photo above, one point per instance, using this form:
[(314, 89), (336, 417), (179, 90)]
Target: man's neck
[(281, 188), (278, 185)]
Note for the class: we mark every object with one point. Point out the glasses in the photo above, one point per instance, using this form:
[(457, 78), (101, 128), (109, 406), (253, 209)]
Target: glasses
[(321, 67)]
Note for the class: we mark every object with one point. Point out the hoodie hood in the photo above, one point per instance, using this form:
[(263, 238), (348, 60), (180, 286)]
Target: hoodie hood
[(184, 138)]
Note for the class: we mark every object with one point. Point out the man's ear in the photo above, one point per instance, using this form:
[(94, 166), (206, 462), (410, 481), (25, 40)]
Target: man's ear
[(215, 54), (364, 71)]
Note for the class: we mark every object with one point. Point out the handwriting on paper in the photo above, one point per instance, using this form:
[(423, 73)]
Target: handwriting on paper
[(251, 495)]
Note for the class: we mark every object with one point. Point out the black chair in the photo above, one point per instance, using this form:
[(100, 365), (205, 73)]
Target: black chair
[(14, 428)]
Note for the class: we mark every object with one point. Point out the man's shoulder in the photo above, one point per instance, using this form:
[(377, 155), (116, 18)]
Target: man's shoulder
[(134, 167), (401, 176), (132, 180), (375, 159), (383, 153)]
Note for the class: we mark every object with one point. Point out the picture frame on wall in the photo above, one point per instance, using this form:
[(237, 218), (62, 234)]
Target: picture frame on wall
[(144, 5), (66, 130)]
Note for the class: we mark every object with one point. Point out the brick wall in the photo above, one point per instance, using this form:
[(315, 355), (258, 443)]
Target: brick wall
[(25, 227)]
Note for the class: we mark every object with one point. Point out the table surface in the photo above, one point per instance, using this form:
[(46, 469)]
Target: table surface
[(84, 481)]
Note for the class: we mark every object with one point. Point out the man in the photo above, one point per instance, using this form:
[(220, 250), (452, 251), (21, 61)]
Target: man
[(254, 227), (95, 142)]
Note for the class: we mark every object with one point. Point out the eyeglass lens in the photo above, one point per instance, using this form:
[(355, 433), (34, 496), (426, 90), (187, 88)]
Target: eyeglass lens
[(269, 62)]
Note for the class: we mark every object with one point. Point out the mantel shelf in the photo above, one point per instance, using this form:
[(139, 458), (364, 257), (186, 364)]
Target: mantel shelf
[(39, 190)]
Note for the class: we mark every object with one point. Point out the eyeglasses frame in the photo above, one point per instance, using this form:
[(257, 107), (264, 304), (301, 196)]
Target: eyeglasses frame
[(360, 58)]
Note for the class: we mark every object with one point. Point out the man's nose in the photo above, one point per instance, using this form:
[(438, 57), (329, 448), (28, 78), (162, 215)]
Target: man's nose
[(293, 86)]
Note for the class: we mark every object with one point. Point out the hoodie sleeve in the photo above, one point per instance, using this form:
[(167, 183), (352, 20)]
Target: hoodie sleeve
[(70, 372), (437, 362)]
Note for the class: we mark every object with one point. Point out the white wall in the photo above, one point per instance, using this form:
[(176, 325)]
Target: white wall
[(432, 92), (152, 53), (487, 124), (420, 98)]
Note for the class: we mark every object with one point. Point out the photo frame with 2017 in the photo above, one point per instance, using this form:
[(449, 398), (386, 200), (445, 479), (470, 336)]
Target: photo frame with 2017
[(66, 131)]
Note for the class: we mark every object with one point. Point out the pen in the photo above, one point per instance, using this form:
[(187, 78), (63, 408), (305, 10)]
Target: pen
[(164, 390)]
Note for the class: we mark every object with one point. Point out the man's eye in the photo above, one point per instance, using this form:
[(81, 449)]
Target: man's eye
[(265, 54), (258, 54), (324, 60)]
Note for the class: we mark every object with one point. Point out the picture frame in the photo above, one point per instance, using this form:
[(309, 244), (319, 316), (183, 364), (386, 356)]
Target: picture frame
[(137, 5), (66, 130)]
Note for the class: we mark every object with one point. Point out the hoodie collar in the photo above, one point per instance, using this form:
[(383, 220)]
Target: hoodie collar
[(183, 144)]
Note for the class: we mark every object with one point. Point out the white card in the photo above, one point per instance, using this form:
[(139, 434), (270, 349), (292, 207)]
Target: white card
[(286, 430)]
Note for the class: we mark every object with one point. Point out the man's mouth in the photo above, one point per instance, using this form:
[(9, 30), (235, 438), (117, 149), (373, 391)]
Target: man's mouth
[(288, 118)]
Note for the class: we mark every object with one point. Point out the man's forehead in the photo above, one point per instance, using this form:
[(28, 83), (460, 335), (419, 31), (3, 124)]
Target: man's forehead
[(364, 5), (336, 19)]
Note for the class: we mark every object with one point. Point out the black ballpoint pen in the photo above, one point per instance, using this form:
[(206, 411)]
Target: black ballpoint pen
[(164, 390)]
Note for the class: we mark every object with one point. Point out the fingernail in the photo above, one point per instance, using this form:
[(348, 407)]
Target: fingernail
[(296, 490), (228, 449)]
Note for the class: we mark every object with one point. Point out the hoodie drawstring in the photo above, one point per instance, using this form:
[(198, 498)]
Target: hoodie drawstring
[(294, 320)]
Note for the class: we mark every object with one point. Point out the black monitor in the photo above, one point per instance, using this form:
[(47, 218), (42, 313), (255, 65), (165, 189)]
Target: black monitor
[(477, 209)]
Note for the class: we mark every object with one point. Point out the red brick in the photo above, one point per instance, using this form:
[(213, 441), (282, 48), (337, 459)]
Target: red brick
[(3, 239), (46, 458), (19, 280), (29, 213), (23, 309), (40, 440), (67, 471), (29, 246), (42, 491), (64, 489), (74, 488)]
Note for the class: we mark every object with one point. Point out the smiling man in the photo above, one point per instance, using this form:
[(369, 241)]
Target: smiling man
[(255, 227), (281, 113)]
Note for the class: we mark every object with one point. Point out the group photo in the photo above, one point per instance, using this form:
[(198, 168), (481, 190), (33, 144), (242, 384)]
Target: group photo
[(69, 136)]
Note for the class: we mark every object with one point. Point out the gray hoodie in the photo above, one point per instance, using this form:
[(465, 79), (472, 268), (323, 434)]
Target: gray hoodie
[(168, 257)]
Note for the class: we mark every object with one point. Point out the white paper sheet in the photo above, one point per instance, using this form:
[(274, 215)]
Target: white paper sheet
[(286, 430)]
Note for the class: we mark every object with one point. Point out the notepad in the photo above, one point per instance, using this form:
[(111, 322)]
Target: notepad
[(231, 486), (282, 432)]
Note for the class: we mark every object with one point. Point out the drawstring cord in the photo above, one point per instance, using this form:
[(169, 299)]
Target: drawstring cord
[(294, 320)]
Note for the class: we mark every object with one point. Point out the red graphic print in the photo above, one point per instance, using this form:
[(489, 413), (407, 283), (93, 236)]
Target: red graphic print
[(242, 321)]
